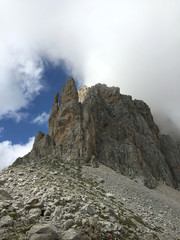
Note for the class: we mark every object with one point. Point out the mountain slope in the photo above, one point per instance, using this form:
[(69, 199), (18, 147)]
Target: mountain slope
[(57, 199)]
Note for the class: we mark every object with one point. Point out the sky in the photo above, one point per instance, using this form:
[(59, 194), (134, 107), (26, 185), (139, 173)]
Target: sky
[(132, 44)]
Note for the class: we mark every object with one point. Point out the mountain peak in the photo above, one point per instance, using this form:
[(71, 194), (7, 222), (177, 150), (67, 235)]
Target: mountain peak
[(99, 125), (69, 92)]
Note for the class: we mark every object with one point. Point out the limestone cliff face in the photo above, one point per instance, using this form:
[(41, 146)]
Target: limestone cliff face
[(65, 121), (102, 125)]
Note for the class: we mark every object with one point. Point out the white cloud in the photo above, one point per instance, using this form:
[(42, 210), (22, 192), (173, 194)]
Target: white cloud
[(21, 68), (41, 119), (10, 152), (16, 115), (133, 44)]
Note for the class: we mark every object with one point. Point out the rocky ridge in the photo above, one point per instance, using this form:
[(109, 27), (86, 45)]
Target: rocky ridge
[(53, 199), (101, 125)]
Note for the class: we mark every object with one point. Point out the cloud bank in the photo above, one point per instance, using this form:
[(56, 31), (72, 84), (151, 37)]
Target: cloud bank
[(133, 44), (9, 152)]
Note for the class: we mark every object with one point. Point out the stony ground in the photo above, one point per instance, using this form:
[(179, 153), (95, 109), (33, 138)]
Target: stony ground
[(52, 199), (159, 207)]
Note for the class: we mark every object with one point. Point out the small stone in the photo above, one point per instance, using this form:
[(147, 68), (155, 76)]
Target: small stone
[(100, 180), (4, 195), (2, 182), (69, 235), (35, 212), (34, 203), (90, 210), (110, 195), (6, 221), (47, 212), (68, 224), (58, 211)]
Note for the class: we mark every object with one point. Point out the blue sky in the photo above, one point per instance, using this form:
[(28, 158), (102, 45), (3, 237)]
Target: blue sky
[(36, 114), (132, 44)]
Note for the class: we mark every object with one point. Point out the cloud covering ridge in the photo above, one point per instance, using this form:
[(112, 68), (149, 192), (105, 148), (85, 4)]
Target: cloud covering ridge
[(133, 44)]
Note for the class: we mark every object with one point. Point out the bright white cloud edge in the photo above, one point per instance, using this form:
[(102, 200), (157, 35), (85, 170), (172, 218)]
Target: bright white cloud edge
[(41, 119), (10, 152)]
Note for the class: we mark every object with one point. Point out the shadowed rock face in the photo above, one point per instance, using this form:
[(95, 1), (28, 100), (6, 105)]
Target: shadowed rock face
[(114, 130)]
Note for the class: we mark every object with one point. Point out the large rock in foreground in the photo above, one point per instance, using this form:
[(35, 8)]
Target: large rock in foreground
[(45, 232), (102, 125)]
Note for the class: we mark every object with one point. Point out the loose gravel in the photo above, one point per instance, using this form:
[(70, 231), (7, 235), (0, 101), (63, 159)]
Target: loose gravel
[(159, 207)]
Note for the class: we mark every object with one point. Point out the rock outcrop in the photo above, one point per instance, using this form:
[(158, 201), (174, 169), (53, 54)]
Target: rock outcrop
[(101, 125)]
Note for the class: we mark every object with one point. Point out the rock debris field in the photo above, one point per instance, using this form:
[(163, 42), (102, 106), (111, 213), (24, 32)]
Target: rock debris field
[(159, 207), (55, 199)]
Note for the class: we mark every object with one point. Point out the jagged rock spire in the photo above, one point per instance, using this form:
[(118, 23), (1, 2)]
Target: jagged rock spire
[(65, 121), (69, 92), (53, 113)]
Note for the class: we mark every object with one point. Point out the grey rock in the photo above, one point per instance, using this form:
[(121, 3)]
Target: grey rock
[(68, 224), (35, 212), (4, 195), (47, 212), (2, 182), (34, 203), (6, 221), (71, 234), (90, 210), (43, 231), (58, 211), (92, 228), (80, 237), (110, 195), (1, 233), (150, 182), (33, 219), (100, 180), (94, 162)]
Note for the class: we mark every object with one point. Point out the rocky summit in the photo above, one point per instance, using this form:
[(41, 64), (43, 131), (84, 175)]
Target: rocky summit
[(100, 125), (84, 180)]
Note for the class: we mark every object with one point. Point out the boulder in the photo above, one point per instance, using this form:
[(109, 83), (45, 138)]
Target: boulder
[(43, 231), (90, 210), (71, 234), (67, 224), (6, 221), (5, 195), (34, 203)]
